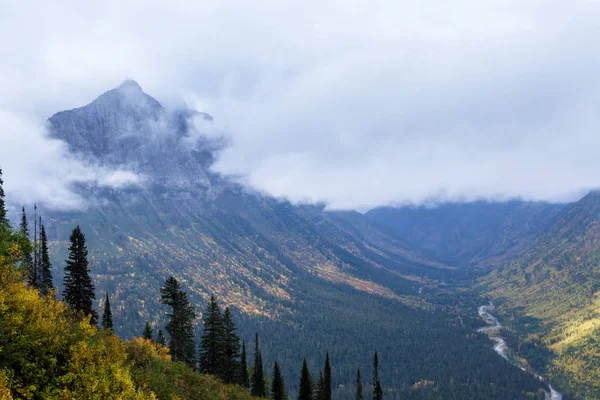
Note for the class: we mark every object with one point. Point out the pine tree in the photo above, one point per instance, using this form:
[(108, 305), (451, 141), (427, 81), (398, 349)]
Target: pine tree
[(33, 278), (107, 322), (258, 376), (278, 384), (243, 379), (180, 326), (45, 267), (78, 287), (359, 387), (327, 379), (148, 332), (232, 349), (305, 390), (160, 338), (3, 219), (320, 393), (377, 390), (27, 249), (212, 344)]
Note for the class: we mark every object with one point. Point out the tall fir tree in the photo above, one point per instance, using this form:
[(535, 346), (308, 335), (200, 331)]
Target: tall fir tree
[(180, 326), (211, 357), (320, 392), (78, 288), (327, 379), (243, 379), (359, 386), (305, 389), (45, 267), (148, 332), (33, 278), (160, 338), (258, 375), (278, 384), (107, 322), (3, 218), (231, 354), (377, 389), (27, 250)]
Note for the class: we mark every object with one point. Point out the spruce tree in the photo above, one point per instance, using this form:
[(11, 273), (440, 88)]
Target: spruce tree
[(78, 287), (180, 326), (27, 249), (232, 349), (377, 389), (107, 322), (148, 332), (278, 384), (359, 386), (258, 375), (36, 260), (3, 218), (305, 390), (320, 393), (327, 379), (44, 278), (160, 338), (243, 379), (213, 342)]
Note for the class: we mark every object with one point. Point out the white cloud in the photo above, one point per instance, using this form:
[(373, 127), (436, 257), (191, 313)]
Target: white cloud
[(38, 169), (352, 103)]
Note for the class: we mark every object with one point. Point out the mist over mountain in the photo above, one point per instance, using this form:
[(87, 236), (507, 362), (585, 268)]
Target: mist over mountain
[(307, 280)]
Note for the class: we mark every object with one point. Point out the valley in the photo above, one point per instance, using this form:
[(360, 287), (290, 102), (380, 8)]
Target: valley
[(313, 281)]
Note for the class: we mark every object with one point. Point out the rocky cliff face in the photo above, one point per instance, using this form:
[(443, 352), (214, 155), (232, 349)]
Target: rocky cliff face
[(127, 128)]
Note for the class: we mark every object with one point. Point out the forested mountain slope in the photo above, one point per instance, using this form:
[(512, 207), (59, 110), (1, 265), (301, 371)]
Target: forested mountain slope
[(551, 294), (308, 281), (477, 233)]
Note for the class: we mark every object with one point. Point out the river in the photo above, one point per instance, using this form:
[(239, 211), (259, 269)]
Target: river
[(494, 324)]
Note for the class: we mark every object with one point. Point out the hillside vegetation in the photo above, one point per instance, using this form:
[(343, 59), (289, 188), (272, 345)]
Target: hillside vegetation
[(550, 297), (48, 351)]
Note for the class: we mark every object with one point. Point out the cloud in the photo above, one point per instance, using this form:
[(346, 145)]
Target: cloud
[(352, 103), (39, 169)]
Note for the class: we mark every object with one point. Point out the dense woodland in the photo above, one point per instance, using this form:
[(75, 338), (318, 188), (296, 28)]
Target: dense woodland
[(428, 352)]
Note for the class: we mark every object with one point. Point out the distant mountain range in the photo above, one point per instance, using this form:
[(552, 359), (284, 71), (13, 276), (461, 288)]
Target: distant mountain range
[(309, 280), (479, 233)]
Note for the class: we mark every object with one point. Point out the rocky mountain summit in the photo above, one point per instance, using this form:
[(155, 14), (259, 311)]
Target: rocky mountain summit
[(127, 128)]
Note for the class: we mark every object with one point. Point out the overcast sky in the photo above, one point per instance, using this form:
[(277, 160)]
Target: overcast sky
[(352, 103)]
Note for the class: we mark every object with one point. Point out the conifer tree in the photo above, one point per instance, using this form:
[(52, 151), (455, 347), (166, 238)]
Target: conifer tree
[(232, 349), (213, 341), (258, 375), (244, 381), (3, 218), (377, 390), (78, 287), (327, 379), (278, 384), (44, 278), (107, 322), (359, 386), (148, 332), (305, 390), (160, 338), (27, 249), (180, 326), (320, 393), (33, 279)]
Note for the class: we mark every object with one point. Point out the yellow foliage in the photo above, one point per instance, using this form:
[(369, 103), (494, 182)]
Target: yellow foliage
[(53, 353), (4, 390)]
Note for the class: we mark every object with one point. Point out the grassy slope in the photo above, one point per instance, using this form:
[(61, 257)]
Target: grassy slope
[(551, 297)]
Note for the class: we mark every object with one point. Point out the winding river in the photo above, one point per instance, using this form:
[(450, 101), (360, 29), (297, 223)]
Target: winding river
[(494, 324)]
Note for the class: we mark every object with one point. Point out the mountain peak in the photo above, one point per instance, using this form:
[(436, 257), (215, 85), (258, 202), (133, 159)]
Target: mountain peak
[(130, 84)]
